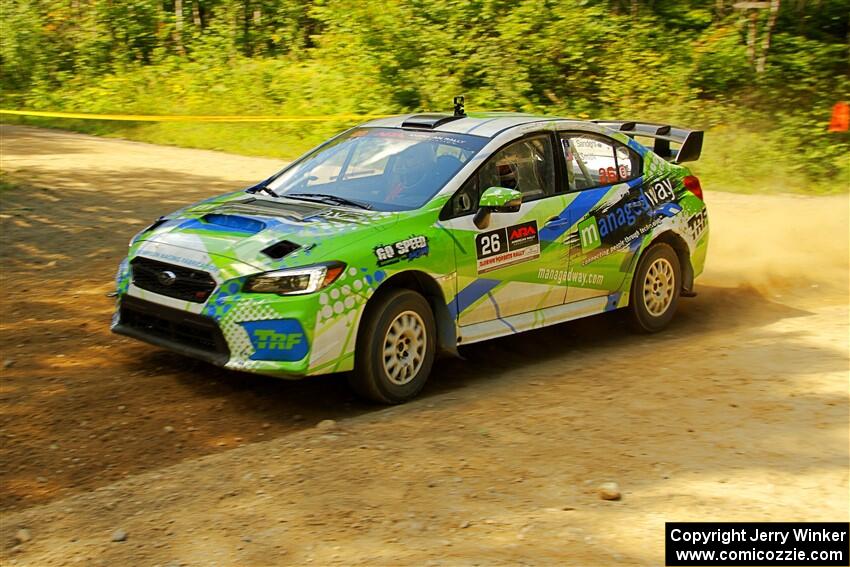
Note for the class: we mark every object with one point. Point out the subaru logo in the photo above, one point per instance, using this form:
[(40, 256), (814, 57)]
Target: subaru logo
[(166, 277)]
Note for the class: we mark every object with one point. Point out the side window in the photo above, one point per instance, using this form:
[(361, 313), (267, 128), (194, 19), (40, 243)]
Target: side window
[(628, 163), (595, 161), (465, 201), (527, 165)]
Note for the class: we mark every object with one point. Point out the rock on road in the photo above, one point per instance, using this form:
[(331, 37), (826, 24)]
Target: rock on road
[(738, 412)]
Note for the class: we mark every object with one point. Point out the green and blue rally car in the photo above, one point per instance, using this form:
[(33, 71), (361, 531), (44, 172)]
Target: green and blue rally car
[(408, 236)]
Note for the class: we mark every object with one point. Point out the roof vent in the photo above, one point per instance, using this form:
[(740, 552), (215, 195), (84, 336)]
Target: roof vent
[(428, 121)]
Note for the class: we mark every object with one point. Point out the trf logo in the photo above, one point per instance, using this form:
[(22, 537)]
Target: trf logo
[(277, 341), (588, 232)]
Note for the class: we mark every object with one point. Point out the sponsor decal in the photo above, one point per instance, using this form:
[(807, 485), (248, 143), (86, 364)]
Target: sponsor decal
[(571, 277), (434, 137), (697, 224), (281, 339), (408, 249), (621, 217), (623, 242), (174, 259), (659, 192), (507, 246), (588, 232)]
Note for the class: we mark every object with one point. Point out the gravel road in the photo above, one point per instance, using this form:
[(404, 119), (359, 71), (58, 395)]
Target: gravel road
[(738, 412)]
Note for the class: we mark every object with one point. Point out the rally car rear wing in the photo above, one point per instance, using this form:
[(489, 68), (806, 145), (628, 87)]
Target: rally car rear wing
[(689, 141)]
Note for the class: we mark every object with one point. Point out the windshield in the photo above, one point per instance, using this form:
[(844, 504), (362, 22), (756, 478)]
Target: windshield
[(385, 169)]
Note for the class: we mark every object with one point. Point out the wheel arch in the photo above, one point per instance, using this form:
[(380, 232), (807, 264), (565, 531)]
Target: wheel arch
[(683, 252), (428, 287)]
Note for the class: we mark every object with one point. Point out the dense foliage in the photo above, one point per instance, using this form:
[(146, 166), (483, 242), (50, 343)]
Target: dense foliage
[(762, 81)]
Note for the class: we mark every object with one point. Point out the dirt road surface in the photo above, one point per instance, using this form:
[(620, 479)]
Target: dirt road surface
[(738, 412)]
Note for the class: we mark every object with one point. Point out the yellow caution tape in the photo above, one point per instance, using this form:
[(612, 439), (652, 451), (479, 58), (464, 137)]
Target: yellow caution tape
[(158, 118)]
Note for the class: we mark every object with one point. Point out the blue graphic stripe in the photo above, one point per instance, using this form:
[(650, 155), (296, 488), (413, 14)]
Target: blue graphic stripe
[(670, 209), (639, 148), (574, 212), (224, 223), (498, 312), (613, 300), (470, 294), (579, 207)]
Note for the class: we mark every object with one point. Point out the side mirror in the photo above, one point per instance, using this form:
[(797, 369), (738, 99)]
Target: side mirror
[(496, 200)]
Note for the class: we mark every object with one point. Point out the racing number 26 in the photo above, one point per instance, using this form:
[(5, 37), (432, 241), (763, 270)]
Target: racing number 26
[(491, 244), (609, 175)]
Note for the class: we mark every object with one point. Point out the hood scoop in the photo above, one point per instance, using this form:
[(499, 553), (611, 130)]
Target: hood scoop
[(281, 249), (235, 222)]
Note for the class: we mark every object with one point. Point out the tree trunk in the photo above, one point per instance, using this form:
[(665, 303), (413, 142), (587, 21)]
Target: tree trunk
[(178, 26), (196, 14), (248, 47), (765, 42), (751, 37)]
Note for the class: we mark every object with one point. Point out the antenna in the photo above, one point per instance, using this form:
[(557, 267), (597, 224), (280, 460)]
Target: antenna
[(458, 102)]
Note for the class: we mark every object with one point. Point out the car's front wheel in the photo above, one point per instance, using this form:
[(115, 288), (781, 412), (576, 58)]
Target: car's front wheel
[(655, 289), (395, 347)]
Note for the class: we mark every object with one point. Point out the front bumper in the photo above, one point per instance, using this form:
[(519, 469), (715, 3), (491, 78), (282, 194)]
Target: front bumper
[(187, 333), (283, 336), (275, 347)]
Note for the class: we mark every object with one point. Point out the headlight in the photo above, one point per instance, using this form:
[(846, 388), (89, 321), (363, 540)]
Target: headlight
[(295, 281)]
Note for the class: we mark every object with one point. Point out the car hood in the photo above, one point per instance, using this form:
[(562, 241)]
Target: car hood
[(266, 233)]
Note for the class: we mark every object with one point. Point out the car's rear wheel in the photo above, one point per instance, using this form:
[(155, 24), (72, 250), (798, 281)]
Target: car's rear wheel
[(395, 347), (655, 289)]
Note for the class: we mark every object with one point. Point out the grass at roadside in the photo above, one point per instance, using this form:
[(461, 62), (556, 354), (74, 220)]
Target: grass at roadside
[(734, 158)]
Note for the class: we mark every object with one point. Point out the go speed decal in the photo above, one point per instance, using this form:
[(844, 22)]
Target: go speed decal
[(507, 246), (408, 249)]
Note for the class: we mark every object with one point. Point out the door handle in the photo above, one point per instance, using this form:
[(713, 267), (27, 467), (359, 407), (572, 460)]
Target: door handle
[(555, 221)]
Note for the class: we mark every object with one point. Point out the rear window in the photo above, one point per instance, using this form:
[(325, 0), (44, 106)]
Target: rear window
[(597, 161)]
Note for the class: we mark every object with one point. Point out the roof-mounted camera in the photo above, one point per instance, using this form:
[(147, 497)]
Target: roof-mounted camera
[(458, 102)]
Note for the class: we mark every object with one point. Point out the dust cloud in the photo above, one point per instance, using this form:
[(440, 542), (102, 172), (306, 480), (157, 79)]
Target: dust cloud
[(778, 242)]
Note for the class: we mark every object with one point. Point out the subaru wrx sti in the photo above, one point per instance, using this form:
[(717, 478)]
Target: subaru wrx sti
[(410, 236)]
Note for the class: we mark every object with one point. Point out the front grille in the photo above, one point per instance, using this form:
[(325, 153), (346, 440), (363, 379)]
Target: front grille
[(198, 335), (172, 280)]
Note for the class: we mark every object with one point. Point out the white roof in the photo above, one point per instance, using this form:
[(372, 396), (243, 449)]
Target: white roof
[(487, 124)]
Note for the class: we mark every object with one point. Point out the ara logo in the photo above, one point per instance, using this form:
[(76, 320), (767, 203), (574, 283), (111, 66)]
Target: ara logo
[(523, 232), (281, 339)]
